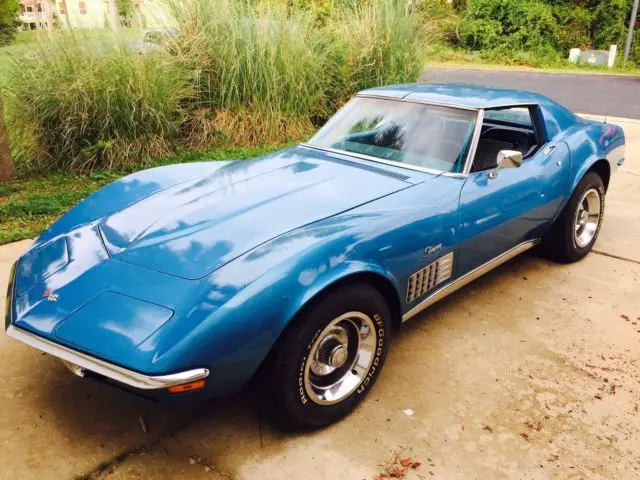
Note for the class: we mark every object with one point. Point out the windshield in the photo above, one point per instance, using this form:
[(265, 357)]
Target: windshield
[(426, 136)]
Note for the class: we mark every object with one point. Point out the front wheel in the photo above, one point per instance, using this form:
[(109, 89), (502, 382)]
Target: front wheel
[(575, 231), (328, 359)]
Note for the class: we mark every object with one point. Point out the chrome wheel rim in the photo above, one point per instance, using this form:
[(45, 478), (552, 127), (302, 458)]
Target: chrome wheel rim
[(340, 358), (587, 218)]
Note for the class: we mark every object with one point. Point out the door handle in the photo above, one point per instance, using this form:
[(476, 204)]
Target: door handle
[(550, 149)]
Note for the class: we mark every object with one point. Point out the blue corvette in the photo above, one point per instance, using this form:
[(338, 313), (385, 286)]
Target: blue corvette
[(295, 267)]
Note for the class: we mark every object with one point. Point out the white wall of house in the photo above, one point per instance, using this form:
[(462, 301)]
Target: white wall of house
[(88, 13)]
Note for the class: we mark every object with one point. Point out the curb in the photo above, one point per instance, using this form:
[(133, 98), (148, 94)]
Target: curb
[(609, 119), (524, 69)]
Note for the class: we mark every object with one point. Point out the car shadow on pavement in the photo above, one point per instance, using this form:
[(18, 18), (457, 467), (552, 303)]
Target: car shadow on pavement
[(114, 426)]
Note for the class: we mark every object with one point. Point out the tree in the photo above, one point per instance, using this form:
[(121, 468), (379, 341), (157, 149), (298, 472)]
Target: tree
[(7, 170), (127, 11), (8, 20)]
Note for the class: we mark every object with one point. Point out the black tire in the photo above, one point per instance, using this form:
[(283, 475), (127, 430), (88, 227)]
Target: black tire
[(291, 404), (560, 242)]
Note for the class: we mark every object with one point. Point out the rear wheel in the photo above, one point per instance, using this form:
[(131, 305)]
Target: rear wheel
[(576, 230), (328, 359)]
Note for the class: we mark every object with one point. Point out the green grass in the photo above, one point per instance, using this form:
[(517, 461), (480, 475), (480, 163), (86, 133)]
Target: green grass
[(74, 105), (233, 73), (26, 42), (28, 206)]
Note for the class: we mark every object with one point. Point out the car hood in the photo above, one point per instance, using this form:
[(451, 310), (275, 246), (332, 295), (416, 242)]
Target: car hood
[(193, 228)]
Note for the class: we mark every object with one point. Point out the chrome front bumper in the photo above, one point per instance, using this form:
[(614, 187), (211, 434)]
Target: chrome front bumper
[(78, 362)]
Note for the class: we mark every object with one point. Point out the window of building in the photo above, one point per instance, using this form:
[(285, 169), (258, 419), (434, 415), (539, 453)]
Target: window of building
[(62, 7), (83, 7), (29, 9), (23, 8), (39, 8)]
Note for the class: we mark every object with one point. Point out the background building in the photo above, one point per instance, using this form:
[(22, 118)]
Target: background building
[(36, 14)]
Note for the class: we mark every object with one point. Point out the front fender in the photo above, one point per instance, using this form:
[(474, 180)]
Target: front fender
[(242, 309)]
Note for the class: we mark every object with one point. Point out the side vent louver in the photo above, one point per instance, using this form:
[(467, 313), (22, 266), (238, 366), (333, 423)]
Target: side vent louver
[(424, 280)]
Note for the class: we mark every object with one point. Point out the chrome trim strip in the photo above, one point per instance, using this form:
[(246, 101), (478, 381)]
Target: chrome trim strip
[(474, 144), (468, 161), (496, 106), (114, 372), (362, 156), (8, 308), (469, 277), (417, 100)]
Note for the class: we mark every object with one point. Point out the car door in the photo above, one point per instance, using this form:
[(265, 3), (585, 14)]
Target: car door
[(503, 207)]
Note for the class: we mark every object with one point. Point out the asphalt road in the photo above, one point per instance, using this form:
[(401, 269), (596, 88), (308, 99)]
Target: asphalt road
[(612, 95)]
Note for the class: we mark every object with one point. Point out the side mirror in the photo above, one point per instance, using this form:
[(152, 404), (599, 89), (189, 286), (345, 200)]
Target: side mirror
[(509, 159)]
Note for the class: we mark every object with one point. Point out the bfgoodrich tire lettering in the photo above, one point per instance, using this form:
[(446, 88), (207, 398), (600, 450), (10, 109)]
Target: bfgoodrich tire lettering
[(329, 358), (564, 243)]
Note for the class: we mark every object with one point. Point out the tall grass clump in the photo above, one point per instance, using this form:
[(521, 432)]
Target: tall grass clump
[(233, 72), (261, 75), (384, 42), (73, 107)]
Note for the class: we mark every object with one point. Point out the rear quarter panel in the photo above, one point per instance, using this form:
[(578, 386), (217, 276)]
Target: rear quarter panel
[(591, 141)]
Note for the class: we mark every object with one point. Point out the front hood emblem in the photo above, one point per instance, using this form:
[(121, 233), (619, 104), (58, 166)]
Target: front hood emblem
[(50, 296)]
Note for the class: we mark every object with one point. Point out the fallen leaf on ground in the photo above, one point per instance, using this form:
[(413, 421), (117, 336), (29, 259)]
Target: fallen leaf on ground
[(397, 473)]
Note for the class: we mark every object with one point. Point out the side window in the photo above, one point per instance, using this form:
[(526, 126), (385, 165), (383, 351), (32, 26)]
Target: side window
[(505, 129)]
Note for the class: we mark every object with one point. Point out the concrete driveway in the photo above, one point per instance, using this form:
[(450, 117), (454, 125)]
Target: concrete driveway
[(530, 372)]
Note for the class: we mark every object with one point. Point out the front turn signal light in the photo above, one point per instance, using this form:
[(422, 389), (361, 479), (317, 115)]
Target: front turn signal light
[(187, 387)]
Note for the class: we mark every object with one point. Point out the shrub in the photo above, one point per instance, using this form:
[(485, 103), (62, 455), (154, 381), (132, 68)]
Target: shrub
[(480, 33), (574, 26), (72, 107), (517, 24), (275, 72), (382, 43), (233, 72), (270, 71), (8, 20), (610, 23)]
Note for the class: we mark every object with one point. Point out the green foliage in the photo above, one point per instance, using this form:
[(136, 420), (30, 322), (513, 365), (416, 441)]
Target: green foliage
[(232, 73), (274, 72), (383, 44), (8, 20), (127, 12), (512, 24), (541, 31), (573, 27), (71, 108), (241, 59), (635, 49), (610, 22)]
